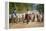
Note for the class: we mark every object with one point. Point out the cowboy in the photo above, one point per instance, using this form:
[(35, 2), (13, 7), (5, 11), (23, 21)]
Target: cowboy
[(14, 11)]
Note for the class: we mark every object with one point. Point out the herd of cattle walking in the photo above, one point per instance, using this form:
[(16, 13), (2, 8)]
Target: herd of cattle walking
[(25, 18)]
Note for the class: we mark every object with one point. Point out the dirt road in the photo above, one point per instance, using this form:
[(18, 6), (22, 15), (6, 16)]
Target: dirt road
[(25, 25)]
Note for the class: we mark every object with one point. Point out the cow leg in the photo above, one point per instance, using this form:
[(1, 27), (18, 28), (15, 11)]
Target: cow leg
[(12, 20), (23, 20), (33, 19), (9, 20), (42, 19), (16, 19), (27, 21), (38, 20)]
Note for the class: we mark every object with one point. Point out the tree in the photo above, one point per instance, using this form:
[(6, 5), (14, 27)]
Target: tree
[(11, 7), (40, 8)]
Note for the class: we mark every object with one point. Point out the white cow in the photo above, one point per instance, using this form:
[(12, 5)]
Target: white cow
[(19, 17), (40, 17), (12, 17), (32, 17)]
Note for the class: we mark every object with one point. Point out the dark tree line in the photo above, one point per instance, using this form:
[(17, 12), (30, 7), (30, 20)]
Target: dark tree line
[(18, 6), (40, 8), (21, 6), (11, 7)]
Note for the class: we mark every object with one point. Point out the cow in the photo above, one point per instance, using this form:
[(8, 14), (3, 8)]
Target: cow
[(27, 17), (18, 18), (12, 18), (32, 17), (40, 17)]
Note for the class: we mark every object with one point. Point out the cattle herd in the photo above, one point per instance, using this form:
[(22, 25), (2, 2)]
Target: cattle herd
[(25, 18)]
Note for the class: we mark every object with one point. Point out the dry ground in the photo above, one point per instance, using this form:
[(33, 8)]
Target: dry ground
[(25, 25)]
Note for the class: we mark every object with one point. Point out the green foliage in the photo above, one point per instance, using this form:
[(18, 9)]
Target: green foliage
[(11, 7), (20, 7), (40, 8)]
